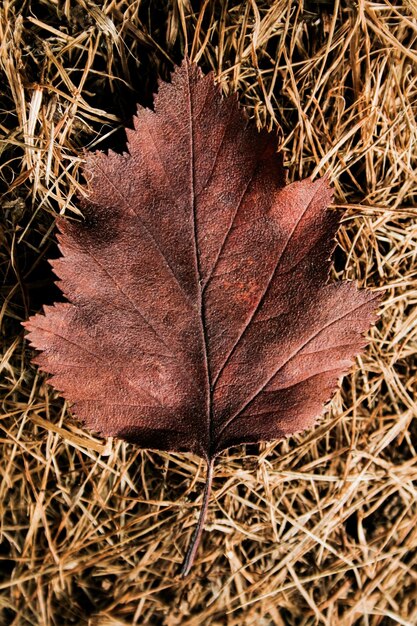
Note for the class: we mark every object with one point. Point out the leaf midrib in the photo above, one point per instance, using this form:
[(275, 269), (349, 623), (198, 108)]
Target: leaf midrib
[(201, 313)]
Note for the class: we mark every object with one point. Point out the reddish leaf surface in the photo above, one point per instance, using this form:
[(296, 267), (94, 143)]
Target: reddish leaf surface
[(199, 311)]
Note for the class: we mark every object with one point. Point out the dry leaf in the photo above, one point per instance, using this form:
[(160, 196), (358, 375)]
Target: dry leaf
[(199, 311)]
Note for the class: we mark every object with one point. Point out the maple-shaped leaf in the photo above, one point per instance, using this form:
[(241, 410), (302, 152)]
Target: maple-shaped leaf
[(199, 311)]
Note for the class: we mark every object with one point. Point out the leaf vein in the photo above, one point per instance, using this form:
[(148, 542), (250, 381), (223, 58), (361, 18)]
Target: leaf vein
[(292, 356), (265, 292)]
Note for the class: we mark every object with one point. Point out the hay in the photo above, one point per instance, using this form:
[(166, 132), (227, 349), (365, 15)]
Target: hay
[(319, 529)]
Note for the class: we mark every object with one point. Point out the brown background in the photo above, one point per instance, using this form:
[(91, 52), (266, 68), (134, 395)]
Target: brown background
[(319, 529)]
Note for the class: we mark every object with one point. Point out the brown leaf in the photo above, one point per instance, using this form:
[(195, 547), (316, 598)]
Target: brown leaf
[(199, 312)]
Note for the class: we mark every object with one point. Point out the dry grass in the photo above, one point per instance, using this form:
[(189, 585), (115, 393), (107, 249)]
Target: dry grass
[(319, 529)]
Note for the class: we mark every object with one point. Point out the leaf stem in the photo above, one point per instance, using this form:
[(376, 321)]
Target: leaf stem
[(195, 540)]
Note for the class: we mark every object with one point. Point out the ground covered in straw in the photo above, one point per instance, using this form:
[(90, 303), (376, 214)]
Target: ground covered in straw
[(318, 529)]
